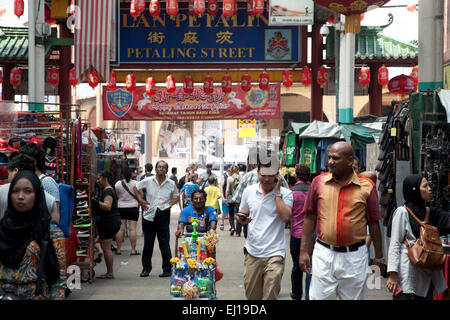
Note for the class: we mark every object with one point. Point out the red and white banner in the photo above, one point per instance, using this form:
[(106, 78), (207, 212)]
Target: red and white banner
[(120, 104), (93, 37)]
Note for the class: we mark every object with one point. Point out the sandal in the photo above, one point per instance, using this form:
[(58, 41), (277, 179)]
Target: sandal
[(135, 253), (231, 232), (99, 258), (105, 276)]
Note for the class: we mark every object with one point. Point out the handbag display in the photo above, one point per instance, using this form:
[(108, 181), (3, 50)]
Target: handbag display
[(427, 252)]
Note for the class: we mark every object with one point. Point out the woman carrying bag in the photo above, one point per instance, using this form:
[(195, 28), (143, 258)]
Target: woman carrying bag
[(32, 254), (107, 220), (407, 281)]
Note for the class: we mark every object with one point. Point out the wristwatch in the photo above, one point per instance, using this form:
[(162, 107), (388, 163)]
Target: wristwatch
[(278, 195)]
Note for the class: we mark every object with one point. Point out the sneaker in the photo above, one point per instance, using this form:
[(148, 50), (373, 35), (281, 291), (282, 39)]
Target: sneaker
[(82, 181), (81, 220), (81, 194), (82, 205), (82, 252)]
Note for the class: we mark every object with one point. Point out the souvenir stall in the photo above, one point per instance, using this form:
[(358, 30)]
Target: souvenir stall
[(309, 143)]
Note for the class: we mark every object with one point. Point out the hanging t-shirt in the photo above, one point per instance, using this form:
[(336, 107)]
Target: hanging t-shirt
[(290, 148), (323, 148), (308, 154)]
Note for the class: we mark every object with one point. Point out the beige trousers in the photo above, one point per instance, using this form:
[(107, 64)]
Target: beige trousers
[(262, 277)]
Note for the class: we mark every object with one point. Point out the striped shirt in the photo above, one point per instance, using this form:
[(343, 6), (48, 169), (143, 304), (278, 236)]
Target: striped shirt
[(342, 212), (298, 215)]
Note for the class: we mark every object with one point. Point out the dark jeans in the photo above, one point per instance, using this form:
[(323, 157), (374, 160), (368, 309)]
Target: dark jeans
[(158, 228), (297, 273), (232, 211)]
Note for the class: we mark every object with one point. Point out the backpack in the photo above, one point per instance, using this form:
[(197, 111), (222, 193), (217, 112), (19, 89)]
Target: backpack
[(236, 182), (427, 252)]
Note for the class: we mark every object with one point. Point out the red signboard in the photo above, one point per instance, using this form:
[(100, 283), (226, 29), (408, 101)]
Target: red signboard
[(120, 104)]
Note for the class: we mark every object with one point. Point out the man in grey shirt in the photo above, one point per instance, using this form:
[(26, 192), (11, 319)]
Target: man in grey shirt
[(23, 162)]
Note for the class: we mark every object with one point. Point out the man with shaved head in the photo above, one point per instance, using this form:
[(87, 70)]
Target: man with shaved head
[(339, 206)]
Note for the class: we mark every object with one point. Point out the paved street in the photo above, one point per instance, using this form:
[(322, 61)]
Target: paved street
[(127, 284)]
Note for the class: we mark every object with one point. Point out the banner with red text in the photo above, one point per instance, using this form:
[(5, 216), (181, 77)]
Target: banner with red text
[(120, 104)]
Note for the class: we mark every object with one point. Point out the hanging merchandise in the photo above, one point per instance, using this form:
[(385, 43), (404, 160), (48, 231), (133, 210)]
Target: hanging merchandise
[(130, 82), (364, 77), (306, 76), (15, 77), (226, 83), (133, 9), (323, 147), (199, 8), (208, 84), (19, 8), (246, 82), (150, 84), (170, 84), (263, 80), (287, 78), (290, 149), (228, 8), (172, 8), (322, 76), (53, 76), (383, 75), (154, 8), (308, 153), (258, 7), (93, 79), (188, 86), (112, 80), (250, 7), (213, 8), (73, 77)]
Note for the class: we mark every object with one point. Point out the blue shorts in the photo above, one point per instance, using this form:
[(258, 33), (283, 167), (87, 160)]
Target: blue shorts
[(225, 208)]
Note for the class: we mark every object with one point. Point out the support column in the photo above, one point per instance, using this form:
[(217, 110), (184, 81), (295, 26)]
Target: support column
[(7, 88), (346, 77), (65, 61), (375, 91), (316, 62)]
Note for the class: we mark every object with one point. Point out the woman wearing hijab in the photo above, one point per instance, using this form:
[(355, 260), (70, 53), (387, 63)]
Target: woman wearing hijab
[(406, 281), (107, 220), (30, 245)]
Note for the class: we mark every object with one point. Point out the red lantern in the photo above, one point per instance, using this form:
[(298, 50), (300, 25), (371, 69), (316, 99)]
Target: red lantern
[(73, 77), (199, 7), (306, 76), (191, 8), (383, 75), (170, 84), (401, 85), (15, 77), (364, 76), (246, 82), (93, 79), (208, 84), (412, 7), (112, 80), (235, 8), (213, 8), (322, 76), (250, 7), (155, 8), (351, 9), (227, 84), (172, 8), (188, 86), (287, 78), (415, 74), (130, 82), (150, 85), (140, 6), (259, 7), (19, 8), (264, 80), (133, 9), (53, 76), (228, 8)]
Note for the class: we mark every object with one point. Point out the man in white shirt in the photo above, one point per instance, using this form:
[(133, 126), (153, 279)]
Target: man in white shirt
[(162, 194), (266, 207)]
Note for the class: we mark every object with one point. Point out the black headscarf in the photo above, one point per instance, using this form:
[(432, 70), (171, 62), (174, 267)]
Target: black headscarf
[(18, 229), (415, 202)]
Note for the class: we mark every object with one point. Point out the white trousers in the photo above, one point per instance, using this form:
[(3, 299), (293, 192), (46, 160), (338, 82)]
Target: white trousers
[(338, 274)]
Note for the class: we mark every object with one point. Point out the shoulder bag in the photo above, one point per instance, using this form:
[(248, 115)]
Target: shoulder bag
[(427, 252), (128, 190)]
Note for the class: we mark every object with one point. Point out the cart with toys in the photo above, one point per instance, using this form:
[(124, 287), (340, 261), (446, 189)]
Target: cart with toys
[(194, 266)]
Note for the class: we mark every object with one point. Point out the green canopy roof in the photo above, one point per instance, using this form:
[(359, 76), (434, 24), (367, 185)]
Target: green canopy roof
[(14, 44)]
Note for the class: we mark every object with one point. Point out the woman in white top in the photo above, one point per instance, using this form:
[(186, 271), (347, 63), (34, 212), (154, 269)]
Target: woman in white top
[(128, 208), (406, 281)]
